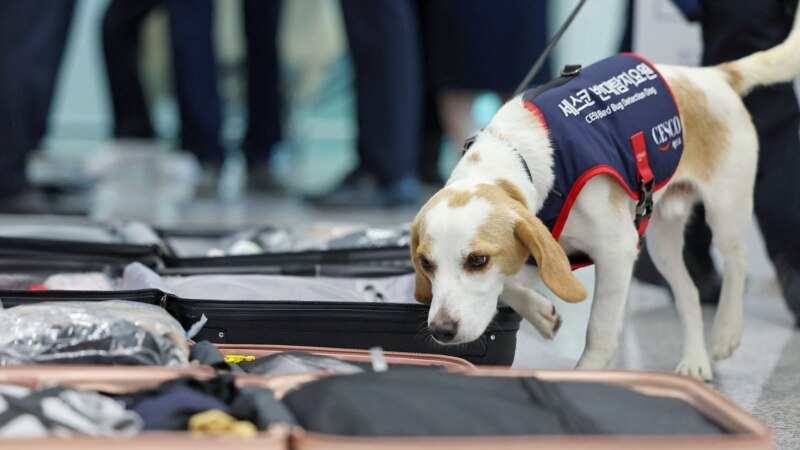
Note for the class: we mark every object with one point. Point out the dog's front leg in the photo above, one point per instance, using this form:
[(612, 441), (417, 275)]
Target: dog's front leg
[(533, 306), (612, 280)]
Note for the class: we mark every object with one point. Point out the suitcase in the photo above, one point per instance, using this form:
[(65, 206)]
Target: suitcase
[(76, 239), (739, 430), (119, 380), (350, 355), (393, 327)]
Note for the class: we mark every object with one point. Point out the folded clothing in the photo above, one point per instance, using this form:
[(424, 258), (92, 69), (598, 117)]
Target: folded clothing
[(396, 289), (26, 414), (433, 403), (111, 332), (171, 405)]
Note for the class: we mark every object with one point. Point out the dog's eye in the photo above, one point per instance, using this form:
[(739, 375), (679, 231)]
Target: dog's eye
[(425, 264), (478, 261)]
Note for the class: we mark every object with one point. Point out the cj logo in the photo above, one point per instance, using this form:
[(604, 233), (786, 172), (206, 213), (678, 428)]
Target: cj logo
[(668, 133)]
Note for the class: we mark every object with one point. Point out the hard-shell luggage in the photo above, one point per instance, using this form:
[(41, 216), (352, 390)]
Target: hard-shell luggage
[(575, 402), (727, 426)]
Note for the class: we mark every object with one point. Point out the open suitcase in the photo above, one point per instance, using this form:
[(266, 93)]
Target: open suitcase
[(355, 325), (393, 324), (269, 249), (727, 425)]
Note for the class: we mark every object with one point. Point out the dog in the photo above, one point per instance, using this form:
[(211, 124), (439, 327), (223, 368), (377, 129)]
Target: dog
[(471, 240)]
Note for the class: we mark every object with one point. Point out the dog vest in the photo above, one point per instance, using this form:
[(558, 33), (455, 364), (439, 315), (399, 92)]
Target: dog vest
[(617, 117)]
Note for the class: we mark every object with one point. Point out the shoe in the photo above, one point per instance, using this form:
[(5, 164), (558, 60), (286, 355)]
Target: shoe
[(359, 190), (702, 270), (29, 201), (789, 279), (208, 185), (261, 181)]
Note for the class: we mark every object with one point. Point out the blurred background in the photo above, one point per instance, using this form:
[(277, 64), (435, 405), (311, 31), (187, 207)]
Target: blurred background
[(231, 112)]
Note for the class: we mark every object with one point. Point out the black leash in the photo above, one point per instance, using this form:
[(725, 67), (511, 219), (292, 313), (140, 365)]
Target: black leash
[(548, 50)]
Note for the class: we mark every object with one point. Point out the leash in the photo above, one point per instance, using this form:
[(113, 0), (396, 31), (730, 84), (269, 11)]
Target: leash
[(537, 66)]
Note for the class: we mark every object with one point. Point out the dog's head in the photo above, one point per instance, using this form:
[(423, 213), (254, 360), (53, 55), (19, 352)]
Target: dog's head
[(466, 242)]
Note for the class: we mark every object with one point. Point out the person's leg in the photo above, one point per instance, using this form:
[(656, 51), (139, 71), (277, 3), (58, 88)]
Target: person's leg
[(32, 40), (455, 111), (432, 133), (384, 44), (196, 78), (122, 24), (264, 100), (777, 193), (733, 29)]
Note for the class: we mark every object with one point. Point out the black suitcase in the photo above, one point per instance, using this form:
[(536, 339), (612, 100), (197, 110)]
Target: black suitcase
[(394, 327), (185, 254), (75, 239)]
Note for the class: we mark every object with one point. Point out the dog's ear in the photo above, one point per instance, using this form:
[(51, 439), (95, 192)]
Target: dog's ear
[(423, 292), (553, 263)]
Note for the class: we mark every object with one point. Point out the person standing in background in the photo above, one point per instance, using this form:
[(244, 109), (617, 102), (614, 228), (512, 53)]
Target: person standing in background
[(733, 29), (384, 46), (195, 75), (32, 39), (264, 98), (474, 46)]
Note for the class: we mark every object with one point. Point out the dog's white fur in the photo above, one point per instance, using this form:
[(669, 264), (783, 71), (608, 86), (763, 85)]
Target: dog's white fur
[(446, 230)]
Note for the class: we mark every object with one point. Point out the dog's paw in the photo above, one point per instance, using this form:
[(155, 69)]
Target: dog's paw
[(727, 338), (546, 322), (698, 367)]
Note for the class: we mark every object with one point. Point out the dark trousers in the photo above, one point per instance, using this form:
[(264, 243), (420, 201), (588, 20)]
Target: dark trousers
[(32, 39), (733, 29), (264, 99), (194, 67), (384, 44)]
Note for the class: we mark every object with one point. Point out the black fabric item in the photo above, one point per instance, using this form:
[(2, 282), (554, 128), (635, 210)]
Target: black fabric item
[(444, 404), (208, 354), (261, 407), (256, 405), (297, 362), (123, 343)]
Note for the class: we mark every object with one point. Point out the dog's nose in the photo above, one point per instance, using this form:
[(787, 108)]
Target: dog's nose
[(444, 330)]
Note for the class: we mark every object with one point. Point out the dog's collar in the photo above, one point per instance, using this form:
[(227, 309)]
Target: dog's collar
[(468, 143)]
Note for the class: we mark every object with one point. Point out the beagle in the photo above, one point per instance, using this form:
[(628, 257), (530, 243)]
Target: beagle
[(470, 242)]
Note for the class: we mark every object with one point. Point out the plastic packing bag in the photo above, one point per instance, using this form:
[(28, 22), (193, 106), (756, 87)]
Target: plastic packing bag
[(372, 238), (89, 281), (61, 412), (110, 332)]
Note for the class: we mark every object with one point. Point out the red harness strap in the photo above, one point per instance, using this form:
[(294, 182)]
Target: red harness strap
[(644, 207)]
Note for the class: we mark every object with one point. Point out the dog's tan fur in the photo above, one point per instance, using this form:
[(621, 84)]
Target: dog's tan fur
[(705, 133)]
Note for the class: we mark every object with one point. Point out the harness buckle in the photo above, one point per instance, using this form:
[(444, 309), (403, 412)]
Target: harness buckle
[(570, 70), (644, 207)]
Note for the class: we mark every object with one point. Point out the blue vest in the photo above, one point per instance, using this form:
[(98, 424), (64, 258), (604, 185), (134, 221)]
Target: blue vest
[(617, 117)]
